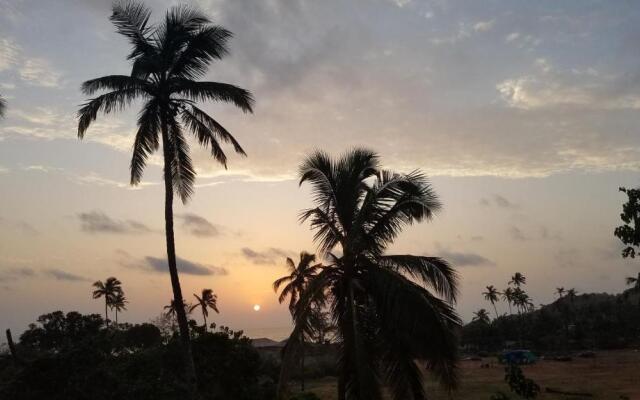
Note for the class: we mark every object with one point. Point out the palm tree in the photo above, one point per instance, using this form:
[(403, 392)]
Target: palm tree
[(172, 308), (635, 282), (491, 295), (295, 284), (518, 279), (390, 310), (507, 295), (119, 303), (3, 107), (107, 289), (560, 292), (481, 316), (207, 300), (522, 301), (167, 59)]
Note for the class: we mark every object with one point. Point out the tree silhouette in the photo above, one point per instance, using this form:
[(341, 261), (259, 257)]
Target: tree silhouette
[(171, 309), (119, 303), (108, 289), (560, 292), (634, 282), (207, 300), (518, 279), (390, 310), (294, 285), (481, 316), (491, 295), (507, 295), (3, 107), (167, 59), (629, 232)]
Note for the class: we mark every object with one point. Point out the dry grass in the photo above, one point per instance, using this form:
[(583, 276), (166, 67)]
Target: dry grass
[(608, 377)]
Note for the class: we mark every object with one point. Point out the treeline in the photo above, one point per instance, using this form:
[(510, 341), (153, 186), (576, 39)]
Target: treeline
[(572, 322)]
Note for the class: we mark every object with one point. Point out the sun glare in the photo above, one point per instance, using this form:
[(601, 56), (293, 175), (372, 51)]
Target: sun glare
[(256, 307)]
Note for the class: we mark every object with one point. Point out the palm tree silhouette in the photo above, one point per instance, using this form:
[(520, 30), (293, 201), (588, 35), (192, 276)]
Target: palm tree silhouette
[(207, 300), (167, 59), (491, 295), (635, 282), (172, 309), (384, 305), (107, 289), (507, 295), (119, 303), (518, 279), (295, 284), (560, 292), (481, 316), (3, 107)]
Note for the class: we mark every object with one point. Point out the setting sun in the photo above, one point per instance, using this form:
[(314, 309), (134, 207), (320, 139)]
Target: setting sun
[(256, 307)]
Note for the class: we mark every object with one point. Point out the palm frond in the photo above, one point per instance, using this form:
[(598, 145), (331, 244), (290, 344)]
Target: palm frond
[(105, 103), (131, 20), (203, 46), (146, 141), (213, 91), (181, 168)]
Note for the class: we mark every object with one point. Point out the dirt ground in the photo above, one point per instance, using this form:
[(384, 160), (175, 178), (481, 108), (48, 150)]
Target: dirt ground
[(609, 376)]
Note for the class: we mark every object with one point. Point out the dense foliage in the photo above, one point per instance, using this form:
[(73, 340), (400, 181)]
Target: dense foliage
[(75, 356)]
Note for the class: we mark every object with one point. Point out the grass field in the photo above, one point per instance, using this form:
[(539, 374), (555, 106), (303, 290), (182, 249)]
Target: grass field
[(609, 376)]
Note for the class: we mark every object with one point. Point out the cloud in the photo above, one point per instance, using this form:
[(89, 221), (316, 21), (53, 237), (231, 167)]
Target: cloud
[(184, 266), (19, 226), (517, 234), (484, 26), (269, 256), (198, 226), (61, 275), (499, 201), (99, 222), (34, 71), (464, 259)]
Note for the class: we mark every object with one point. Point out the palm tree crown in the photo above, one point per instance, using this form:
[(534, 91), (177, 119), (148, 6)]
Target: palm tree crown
[(207, 300), (172, 308), (560, 292), (518, 279), (481, 316), (296, 282), (491, 295), (119, 303), (390, 310), (108, 289)]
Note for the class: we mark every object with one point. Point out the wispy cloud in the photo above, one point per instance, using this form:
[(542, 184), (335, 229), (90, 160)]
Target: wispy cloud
[(99, 222), (463, 259), (498, 201), (61, 275), (198, 226), (517, 234), (268, 256)]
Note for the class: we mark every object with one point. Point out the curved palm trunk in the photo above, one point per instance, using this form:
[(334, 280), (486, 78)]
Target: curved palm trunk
[(116, 317), (302, 366), (495, 309), (106, 317), (204, 317), (189, 368)]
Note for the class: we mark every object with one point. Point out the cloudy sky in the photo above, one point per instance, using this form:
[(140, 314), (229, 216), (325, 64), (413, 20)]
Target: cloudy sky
[(525, 115)]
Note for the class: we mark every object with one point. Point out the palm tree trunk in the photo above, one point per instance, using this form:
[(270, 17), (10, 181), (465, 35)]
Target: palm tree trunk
[(106, 317), (189, 368), (495, 309), (302, 366), (204, 317), (116, 317)]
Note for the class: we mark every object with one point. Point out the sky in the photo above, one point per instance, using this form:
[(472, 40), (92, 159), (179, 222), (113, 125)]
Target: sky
[(524, 114)]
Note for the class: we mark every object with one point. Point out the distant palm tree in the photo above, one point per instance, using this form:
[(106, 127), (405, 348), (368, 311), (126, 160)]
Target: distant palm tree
[(522, 301), (207, 300), (295, 284), (3, 107), (491, 295), (518, 279), (119, 303), (391, 311), (167, 59), (171, 309), (507, 295), (481, 316), (572, 293), (560, 292), (107, 289)]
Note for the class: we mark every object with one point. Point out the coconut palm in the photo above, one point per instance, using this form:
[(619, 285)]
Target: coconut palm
[(518, 279), (294, 285), (167, 61), (507, 295), (207, 300), (522, 301), (491, 295), (3, 107), (107, 289), (296, 282), (171, 309), (560, 292), (481, 316), (391, 311), (119, 303)]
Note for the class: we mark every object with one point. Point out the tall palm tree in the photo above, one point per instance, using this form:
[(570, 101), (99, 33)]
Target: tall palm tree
[(390, 310), (107, 289), (3, 107), (522, 301), (481, 316), (119, 303), (560, 292), (207, 300), (491, 295), (518, 279), (167, 59), (295, 284), (507, 295)]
